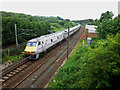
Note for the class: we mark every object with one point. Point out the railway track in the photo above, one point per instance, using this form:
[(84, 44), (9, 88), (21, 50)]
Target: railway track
[(16, 68), (42, 69), (53, 68), (27, 72)]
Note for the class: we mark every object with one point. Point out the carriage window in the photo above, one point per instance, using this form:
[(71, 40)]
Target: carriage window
[(31, 43), (39, 43), (51, 40)]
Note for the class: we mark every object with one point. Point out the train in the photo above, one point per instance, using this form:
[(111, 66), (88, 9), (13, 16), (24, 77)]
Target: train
[(41, 44)]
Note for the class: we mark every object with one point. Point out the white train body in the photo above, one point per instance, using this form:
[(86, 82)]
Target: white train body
[(40, 44)]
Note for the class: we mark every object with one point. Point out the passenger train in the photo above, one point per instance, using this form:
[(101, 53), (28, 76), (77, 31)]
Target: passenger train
[(41, 44)]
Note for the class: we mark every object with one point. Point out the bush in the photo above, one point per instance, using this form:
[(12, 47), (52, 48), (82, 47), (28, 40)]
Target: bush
[(92, 68)]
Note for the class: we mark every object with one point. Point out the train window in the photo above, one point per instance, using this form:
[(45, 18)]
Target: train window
[(31, 43), (39, 43), (51, 40), (42, 42)]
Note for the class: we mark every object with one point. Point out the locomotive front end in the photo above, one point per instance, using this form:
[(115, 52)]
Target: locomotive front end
[(30, 48)]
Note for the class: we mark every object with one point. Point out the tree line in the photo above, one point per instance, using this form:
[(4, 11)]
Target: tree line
[(107, 24), (29, 26), (84, 22)]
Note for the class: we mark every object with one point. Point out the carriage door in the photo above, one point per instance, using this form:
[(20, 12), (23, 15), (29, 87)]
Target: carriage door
[(64, 34), (43, 45), (40, 47)]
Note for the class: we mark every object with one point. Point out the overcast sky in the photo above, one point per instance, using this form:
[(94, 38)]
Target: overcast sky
[(69, 9)]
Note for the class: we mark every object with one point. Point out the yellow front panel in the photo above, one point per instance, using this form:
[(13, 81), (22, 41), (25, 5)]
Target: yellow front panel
[(30, 48)]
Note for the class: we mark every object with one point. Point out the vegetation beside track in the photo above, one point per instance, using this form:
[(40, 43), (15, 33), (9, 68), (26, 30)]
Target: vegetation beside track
[(29, 26), (97, 66), (88, 67), (12, 58)]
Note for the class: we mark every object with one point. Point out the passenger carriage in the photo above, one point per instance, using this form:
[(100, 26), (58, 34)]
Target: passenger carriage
[(41, 44)]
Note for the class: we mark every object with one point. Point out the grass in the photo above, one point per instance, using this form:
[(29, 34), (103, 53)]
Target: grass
[(12, 58), (12, 54), (71, 65)]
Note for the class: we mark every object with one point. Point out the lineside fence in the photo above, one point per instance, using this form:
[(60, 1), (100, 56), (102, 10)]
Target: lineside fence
[(12, 50)]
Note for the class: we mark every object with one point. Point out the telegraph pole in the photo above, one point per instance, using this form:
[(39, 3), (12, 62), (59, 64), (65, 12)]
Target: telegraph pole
[(16, 38), (68, 42)]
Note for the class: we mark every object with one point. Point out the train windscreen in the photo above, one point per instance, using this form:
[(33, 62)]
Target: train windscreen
[(31, 43)]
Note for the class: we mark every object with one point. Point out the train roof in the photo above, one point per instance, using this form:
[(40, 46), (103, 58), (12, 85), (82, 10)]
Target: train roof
[(43, 37), (72, 28)]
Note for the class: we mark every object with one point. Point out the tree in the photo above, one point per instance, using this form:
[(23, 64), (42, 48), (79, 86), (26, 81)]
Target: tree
[(108, 27), (67, 20), (106, 15), (28, 26), (59, 18)]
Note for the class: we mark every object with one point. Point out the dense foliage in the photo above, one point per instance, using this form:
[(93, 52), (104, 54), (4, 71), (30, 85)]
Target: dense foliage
[(107, 25), (29, 26), (92, 68), (97, 66)]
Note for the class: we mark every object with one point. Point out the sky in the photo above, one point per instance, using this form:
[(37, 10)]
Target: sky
[(67, 9)]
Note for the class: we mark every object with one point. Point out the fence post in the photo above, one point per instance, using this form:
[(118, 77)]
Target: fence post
[(8, 52)]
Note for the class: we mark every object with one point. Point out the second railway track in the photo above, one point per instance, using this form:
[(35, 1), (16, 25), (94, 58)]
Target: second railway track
[(39, 73), (14, 69)]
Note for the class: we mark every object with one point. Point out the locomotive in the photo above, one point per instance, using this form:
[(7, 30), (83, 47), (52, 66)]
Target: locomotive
[(41, 44)]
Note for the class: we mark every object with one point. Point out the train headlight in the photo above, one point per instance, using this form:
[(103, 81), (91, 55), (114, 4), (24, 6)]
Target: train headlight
[(23, 52), (27, 52)]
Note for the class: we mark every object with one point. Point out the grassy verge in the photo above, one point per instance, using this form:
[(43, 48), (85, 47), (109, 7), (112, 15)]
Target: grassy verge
[(11, 53), (67, 73), (95, 67), (12, 58)]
